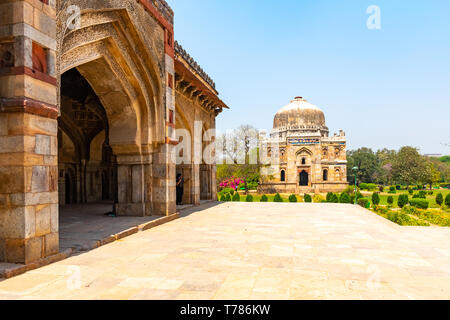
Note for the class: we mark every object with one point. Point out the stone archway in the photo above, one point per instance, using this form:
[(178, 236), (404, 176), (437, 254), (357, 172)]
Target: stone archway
[(122, 68)]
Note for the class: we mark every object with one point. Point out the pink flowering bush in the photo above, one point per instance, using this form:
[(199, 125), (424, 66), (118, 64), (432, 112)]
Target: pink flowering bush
[(232, 183)]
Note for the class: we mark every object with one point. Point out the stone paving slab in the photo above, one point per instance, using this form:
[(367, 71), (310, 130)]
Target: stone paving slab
[(255, 251)]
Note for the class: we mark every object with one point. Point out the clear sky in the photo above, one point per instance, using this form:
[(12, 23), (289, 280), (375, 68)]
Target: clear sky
[(384, 88)]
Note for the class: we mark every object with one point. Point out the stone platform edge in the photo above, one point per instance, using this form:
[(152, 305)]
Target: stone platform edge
[(16, 270)]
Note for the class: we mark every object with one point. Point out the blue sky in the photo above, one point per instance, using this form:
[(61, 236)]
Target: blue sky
[(385, 88)]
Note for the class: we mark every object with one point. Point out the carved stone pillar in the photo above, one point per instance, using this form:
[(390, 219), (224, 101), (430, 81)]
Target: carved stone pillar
[(131, 186), (28, 132)]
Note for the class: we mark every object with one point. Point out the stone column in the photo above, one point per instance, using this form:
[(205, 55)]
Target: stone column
[(28, 132), (131, 186), (196, 184), (213, 182), (164, 180)]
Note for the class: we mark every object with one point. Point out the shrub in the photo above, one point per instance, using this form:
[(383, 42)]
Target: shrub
[(277, 198), (405, 220), (334, 198), (375, 199), (249, 198), (264, 198), (344, 198), (419, 203), (447, 200), (381, 188), (252, 185), (236, 197), (228, 197), (364, 202), (410, 190), (329, 196), (223, 198), (403, 200), (392, 189), (318, 198), (398, 187), (363, 186), (422, 194), (307, 198), (390, 200), (293, 198), (372, 187), (224, 191), (351, 190), (439, 199)]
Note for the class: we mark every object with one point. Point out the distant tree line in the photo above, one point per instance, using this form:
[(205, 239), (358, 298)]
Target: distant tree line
[(405, 166)]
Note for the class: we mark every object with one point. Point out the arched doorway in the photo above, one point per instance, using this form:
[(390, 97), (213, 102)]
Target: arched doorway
[(325, 175), (84, 143), (304, 178)]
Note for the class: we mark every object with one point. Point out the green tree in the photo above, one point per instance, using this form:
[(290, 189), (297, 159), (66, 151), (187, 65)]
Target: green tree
[(409, 167), (367, 163), (432, 175)]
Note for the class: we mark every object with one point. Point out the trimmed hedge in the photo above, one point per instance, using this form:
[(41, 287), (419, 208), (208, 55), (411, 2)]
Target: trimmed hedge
[(447, 200), (293, 198), (439, 199), (403, 200), (390, 200), (277, 198), (236, 197), (365, 203), (249, 198), (344, 198), (228, 197), (264, 198), (375, 199), (307, 198), (419, 203)]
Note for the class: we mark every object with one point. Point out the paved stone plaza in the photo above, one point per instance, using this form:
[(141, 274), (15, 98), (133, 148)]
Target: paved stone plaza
[(255, 251)]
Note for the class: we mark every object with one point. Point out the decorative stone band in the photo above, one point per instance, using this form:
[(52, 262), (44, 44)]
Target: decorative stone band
[(161, 11), (28, 105), (14, 71)]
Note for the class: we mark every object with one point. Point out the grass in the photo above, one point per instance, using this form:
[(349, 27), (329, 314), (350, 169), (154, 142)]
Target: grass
[(384, 196)]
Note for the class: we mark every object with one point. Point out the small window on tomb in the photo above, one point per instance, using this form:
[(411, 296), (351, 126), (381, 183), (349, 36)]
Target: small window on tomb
[(283, 176), (325, 175), (303, 160), (39, 58)]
